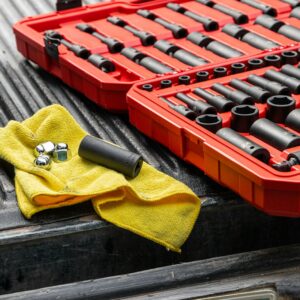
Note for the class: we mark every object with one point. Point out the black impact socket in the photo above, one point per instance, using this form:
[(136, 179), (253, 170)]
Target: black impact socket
[(292, 3), (273, 60), (255, 63), (165, 83), (273, 87), (202, 76), (184, 79), (278, 108), (295, 13), (180, 54), (251, 38), (210, 122), (257, 93), (238, 17), (181, 109), (293, 119), (291, 71), (237, 68), (208, 24), (199, 107), (110, 156), (219, 102), (101, 63), (274, 135), (214, 46), (278, 26), (244, 144), (78, 50), (146, 38), (292, 83), (113, 45), (242, 117), (266, 9), (147, 62), (220, 72), (290, 57), (177, 30), (147, 87), (237, 96)]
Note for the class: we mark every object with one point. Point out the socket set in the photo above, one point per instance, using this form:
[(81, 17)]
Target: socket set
[(216, 82), (102, 49), (242, 128)]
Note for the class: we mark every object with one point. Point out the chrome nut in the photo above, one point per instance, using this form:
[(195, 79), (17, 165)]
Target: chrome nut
[(44, 148), (61, 155), (43, 161), (38, 150), (61, 146)]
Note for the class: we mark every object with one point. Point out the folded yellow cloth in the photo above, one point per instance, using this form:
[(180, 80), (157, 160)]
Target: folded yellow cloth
[(152, 205)]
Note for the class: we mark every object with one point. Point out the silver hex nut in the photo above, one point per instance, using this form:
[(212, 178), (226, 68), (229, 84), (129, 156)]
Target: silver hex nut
[(43, 161), (61, 155), (60, 146), (44, 148)]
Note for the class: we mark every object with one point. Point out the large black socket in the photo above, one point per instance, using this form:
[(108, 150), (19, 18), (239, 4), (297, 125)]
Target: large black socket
[(211, 122), (278, 107), (243, 116), (274, 135), (293, 119), (110, 156)]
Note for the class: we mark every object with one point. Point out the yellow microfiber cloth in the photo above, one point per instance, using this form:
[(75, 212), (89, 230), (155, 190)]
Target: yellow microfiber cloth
[(152, 205)]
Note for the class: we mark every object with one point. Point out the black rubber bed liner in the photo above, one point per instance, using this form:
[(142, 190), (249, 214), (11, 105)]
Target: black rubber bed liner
[(72, 244)]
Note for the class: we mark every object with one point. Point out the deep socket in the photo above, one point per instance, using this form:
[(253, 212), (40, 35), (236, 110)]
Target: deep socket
[(273, 87), (180, 54), (274, 135), (208, 24), (292, 83), (199, 107), (249, 37), (177, 30), (258, 94), (237, 16), (219, 102), (238, 97), (147, 62), (244, 144), (214, 46)]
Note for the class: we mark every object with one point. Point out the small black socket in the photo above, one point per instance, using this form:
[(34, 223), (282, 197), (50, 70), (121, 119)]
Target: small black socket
[(165, 83), (238, 68), (255, 63), (220, 72), (273, 60), (184, 79), (147, 87), (202, 76), (290, 57)]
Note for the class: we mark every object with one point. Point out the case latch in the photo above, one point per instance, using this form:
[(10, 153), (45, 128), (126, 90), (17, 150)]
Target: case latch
[(51, 45), (67, 4)]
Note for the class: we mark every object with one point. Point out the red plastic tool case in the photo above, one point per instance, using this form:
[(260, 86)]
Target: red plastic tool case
[(274, 192)]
